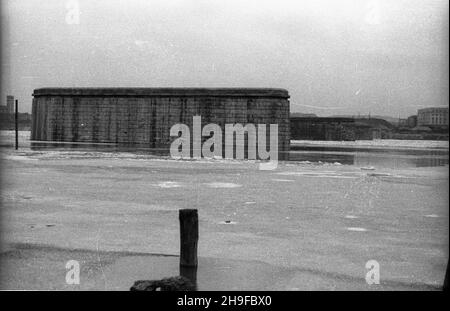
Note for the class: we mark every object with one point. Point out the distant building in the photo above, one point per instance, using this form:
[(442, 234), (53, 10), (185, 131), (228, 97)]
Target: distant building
[(411, 121), (10, 103), (402, 122), (141, 116), (436, 116)]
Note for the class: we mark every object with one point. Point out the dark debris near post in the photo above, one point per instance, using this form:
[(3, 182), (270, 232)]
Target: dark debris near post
[(178, 283)]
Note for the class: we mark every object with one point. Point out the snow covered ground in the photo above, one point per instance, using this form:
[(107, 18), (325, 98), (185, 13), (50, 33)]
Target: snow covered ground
[(303, 226)]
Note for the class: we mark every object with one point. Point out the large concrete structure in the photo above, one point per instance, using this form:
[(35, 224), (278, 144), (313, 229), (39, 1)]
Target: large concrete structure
[(145, 115), (411, 121)]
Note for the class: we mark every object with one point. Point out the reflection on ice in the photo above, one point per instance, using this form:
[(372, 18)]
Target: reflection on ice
[(364, 154)]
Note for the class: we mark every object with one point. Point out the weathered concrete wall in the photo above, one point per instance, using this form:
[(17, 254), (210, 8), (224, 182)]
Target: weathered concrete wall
[(145, 115)]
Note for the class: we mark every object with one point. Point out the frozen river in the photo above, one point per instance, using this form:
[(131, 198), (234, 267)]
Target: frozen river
[(311, 224), (386, 153)]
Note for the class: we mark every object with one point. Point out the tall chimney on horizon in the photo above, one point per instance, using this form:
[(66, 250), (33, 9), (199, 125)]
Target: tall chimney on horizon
[(10, 103)]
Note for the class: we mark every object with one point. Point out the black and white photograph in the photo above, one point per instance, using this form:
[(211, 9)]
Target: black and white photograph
[(235, 148)]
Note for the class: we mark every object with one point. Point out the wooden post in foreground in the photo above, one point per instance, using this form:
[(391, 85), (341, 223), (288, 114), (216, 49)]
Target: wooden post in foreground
[(188, 237), (17, 124)]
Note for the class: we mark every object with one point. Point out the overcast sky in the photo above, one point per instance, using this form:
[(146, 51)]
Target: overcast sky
[(387, 57)]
